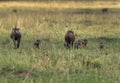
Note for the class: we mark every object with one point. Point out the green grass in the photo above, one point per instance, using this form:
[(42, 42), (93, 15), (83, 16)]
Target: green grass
[(52, 63)]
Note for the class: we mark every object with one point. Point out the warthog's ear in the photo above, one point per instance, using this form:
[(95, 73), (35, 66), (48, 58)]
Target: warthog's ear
[(13, 28), (18, 29), (37, 40)]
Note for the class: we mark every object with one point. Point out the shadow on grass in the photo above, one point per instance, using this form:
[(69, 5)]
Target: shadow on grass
[(55, 11), (93, 11), (105, 39)]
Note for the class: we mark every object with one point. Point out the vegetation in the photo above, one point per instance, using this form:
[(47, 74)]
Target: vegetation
[(53, 63), (59, 0)]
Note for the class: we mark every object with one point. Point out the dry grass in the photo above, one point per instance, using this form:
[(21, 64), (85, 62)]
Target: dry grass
[(52, 62), (61, 5)]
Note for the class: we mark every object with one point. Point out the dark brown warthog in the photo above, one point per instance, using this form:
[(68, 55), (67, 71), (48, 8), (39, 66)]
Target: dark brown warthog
[(69, 39), (101, 46), (36, 44), (104, 10), (16, 36), (80, 43), (77, 44), (84, 42)]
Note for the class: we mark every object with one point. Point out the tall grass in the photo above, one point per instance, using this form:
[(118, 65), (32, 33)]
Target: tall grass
[(52, 62), (61, 5)]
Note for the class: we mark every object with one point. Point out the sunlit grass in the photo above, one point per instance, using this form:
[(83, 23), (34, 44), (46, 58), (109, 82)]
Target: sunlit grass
[(61, 5)]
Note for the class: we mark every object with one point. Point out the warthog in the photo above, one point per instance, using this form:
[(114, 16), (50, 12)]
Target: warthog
[(80, 43), (101, 46), (16, 36), (37, 43), (104, 10), (69, 38)]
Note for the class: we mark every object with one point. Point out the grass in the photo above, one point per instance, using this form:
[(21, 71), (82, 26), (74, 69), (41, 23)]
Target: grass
[(52, 63), (62, 5)]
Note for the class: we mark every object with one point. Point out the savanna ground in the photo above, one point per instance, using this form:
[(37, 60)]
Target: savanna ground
[(53, 63)]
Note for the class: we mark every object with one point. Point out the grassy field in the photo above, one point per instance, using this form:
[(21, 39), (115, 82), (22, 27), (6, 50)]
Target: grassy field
[(53, 63)]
